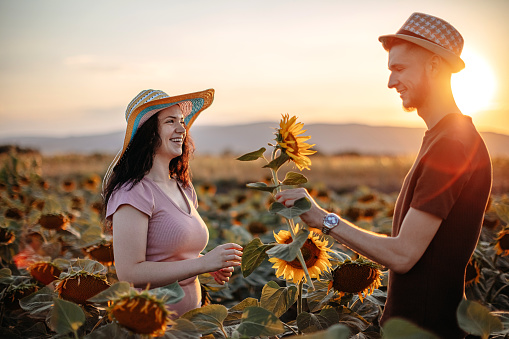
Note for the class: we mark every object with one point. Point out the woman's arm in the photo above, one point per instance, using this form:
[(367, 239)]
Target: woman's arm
[(130, 228)]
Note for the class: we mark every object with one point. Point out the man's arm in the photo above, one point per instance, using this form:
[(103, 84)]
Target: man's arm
[(398, 253)]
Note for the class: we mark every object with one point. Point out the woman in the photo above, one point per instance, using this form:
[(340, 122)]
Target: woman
[(157, 233)]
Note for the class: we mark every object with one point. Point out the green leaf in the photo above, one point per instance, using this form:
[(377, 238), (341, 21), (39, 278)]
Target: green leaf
[(38, 304), (294, 178), (253, 255), (288, 252), (278, 299), (396, 328), (108, 331), (252, 155), (309, 322), (66, 317), (258, 322), (355, 322), (502, 211), (90, 266), (207, 319), (337, 331), (111, 292), (235, 312), (182, 329), (261, 186), (301, 206), (170, 294), (5, 272), (476, 319), (278, 162)]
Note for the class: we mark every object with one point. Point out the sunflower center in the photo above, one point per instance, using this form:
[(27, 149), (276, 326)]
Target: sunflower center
[(310, 253), (504, 242)]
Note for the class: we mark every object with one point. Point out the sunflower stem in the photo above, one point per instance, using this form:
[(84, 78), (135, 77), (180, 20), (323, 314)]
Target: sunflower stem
[(299, 298), (291, 226)]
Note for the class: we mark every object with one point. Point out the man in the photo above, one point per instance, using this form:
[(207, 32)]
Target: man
[(440, 208)]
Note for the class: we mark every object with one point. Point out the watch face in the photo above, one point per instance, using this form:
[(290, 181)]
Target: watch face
[(331, 220)]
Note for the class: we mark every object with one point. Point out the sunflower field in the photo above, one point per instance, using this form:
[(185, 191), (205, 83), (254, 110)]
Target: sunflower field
[(57, 273)]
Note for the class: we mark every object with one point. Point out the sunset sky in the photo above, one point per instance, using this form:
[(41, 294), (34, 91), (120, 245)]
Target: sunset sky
[(71, 67)]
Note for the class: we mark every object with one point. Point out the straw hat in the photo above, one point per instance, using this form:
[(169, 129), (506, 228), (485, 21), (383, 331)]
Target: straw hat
[(149, 102), (433, 34)]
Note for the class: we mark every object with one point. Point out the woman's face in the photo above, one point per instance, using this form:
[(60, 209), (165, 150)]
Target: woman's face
[(172, 132)]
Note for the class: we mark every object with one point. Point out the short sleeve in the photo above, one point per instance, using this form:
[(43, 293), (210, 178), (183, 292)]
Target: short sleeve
[(444, 172), (140, 196)]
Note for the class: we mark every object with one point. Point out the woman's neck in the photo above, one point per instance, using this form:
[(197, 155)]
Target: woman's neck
[(160, 170)]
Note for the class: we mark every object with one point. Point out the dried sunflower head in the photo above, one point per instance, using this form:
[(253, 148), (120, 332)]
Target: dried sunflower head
[(44, 272), (6, 236), (79, 286), (502, 245), (14, 293), (473, 272), (102, 252), (360, 276), (141, 312), (53, 221)]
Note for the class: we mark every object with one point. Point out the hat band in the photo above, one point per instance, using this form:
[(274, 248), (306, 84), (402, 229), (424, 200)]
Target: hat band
[(412, 34)]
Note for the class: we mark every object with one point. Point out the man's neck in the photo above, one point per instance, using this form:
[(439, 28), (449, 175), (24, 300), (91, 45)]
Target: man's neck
[(436, 107)]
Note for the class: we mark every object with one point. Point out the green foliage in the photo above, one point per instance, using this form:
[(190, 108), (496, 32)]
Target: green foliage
[(252, 155), (476, 319), (261, 186), (336, 331), (258, 322), (300, 206), (111, 293), (170, 294), (254, 254), (309, 322), (401, 329), (66, 317), (278, 299), (288, 252), (208, 319), (278, 162), (294, 178)]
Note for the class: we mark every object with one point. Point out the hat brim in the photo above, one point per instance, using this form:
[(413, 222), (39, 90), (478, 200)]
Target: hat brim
[(455, 62), (199, 100)]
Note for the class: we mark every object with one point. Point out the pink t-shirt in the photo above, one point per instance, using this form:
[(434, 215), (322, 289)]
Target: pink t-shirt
[(173, 234)]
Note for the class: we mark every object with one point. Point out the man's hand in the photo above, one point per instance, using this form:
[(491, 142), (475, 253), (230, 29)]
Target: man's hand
[(313, 217)]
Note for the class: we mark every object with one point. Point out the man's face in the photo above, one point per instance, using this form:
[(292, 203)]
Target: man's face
[(408, 76)]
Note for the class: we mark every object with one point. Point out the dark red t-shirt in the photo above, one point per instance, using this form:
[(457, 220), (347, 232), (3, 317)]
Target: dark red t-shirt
[(451, 178)]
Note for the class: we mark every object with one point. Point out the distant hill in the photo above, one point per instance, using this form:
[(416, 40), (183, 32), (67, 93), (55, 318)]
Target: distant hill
[(239, 139)]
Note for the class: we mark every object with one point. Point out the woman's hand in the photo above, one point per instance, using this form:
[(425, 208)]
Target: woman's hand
[(223, 275), (223, 256)]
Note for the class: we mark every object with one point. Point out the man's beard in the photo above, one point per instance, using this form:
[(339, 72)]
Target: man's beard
[(421, 93)]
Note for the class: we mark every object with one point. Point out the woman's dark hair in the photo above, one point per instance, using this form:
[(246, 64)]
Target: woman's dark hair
[(139, 155)]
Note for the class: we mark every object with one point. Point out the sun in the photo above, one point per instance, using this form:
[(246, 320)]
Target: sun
[(474, 87)]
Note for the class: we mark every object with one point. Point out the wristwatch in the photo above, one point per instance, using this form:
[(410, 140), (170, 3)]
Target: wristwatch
[(330, 221)]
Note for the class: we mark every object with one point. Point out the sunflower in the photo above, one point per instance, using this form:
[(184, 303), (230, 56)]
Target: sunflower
[(292, 144), (14, 293), (473, 272), (54, 221), (360, 277), (315, 253), (502, 245), (102, 252), (44, 272), (79, 286), (141, 312)]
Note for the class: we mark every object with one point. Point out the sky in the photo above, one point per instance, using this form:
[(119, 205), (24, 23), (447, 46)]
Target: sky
[(71, 67)]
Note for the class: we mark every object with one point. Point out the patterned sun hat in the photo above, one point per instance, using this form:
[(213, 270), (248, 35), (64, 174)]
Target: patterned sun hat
[(433, 34), (149, 102)]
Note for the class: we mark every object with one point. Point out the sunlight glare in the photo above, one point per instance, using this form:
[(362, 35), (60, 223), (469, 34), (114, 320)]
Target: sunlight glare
[(474, 87)]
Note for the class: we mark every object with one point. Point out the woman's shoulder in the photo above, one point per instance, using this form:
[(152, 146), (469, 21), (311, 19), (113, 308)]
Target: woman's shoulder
[(141, 188)]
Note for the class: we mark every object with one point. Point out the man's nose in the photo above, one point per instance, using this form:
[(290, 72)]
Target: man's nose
[(392, 81)]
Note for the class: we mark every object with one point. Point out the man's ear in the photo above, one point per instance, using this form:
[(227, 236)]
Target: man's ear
[(436, 64)]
